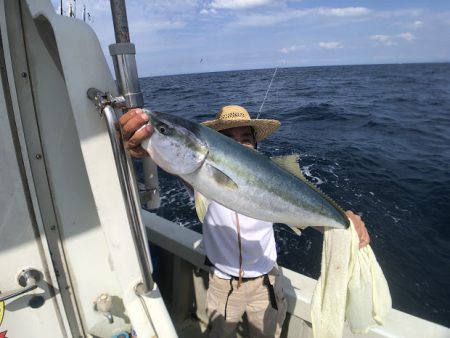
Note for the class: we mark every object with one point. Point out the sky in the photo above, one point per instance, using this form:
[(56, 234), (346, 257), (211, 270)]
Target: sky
[(195, 36)]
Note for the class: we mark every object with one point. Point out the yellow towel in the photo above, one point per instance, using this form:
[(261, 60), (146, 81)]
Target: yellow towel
[(351, 287)]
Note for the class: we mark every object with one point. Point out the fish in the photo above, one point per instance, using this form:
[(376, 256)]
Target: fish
[(238, 177)]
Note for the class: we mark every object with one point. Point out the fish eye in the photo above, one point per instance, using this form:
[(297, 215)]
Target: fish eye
[(163, 130)]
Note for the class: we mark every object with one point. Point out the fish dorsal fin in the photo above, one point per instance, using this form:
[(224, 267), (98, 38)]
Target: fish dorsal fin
[(221, 178), (289, 163), (201, 205), (297, 229)]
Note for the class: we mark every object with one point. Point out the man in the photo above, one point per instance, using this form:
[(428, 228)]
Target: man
[(241, 250)]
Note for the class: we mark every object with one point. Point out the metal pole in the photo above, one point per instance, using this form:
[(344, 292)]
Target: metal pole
[(123, 55), (120, 21)]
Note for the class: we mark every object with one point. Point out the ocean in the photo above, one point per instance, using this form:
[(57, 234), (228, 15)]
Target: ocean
[(376, 138)]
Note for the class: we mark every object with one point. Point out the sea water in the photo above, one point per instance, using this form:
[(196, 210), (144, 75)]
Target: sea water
[(376, 138)]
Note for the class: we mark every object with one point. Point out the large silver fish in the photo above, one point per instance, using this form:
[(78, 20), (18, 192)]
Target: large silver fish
[(238, 177)]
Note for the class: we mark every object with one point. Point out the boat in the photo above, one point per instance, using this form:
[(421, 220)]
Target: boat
[(74, 255)]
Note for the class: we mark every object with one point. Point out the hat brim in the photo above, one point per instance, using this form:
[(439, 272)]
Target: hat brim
[(263, 127)]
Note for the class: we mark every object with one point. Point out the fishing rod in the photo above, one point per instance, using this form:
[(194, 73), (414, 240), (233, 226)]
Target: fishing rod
[(267, 92)]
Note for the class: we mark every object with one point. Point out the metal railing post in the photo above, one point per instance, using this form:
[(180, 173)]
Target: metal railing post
[(106, 104)]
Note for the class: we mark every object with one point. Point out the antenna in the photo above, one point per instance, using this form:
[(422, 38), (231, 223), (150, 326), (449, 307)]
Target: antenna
[(267, 92), (72, 10)]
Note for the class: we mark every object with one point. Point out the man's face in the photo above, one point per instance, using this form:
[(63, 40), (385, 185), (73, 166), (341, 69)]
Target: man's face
[(243, 135)]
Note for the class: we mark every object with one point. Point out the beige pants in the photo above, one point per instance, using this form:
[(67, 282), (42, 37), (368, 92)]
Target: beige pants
[(251, 297)]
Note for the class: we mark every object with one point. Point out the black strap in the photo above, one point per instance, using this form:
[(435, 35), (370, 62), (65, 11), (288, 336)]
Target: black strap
[(270, 288)]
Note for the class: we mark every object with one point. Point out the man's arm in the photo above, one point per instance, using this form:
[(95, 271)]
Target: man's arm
[(360, 227)]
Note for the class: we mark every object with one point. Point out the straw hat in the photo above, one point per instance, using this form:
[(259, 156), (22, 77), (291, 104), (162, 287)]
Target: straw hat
[(237, 116)]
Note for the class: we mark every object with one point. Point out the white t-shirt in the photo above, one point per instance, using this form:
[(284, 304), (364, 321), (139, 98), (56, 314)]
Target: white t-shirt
[(220, 241)]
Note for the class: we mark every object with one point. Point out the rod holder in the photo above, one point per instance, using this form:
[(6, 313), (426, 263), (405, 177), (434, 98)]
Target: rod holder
[(124, 60)]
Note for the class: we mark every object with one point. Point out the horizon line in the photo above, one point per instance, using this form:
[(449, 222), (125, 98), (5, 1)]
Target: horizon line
[(310, 66)]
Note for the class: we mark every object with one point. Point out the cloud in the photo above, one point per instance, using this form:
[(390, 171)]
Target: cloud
[(321, 45), (276, 17), (257, 20), (418, 24), (208, 11), (330, 45), (383, 39), (406, 36), (163, 7), (412, 12), (147, 26), (239, 4), (392, 40), (344, 12), (286, 50)]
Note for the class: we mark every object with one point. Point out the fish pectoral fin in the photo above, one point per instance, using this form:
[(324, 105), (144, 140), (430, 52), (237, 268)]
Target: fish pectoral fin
[(201, 205), (297, 229), (221, 178), (290, 163)]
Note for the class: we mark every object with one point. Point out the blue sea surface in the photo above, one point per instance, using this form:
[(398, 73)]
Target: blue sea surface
[(376, 138)]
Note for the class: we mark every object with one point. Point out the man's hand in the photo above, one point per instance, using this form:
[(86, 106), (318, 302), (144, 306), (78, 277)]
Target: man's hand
[(130, 123), (360, 228)]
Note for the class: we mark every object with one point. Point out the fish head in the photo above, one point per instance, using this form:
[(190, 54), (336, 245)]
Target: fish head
[(176, 144)]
